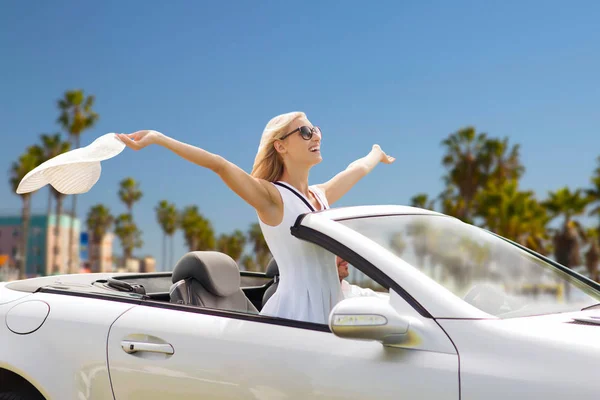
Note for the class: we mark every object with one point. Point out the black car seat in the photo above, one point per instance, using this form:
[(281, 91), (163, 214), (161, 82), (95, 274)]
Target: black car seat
[(209, 279)]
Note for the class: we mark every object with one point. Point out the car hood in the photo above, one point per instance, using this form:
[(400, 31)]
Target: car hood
[(581, 328), (569, 331)]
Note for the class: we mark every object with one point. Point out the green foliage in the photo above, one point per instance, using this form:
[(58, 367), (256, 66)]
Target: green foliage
[(99, 220), (129, 234), (197, 230), (233, 244), (129, 192), (261, 250)]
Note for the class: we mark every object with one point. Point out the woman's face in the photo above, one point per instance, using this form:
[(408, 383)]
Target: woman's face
[(297, 150)]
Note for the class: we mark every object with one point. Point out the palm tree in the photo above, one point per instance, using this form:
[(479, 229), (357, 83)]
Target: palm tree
[(421, 200), (398, 243), (27, 162), (168, 218), (51, 146), (262, 253), (593, 193), (172, 224), (197, 230), (99, 221), (514, 214), (567, 238), (248, 263), (161, 218), (76, 116), (592, 255), (463, 160), (129, 235), (475, 161), (500, 162), (129, 193), (451, 202), (232, 245)]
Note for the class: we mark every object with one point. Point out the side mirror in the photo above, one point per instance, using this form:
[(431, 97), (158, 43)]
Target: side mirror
[(368, 318)]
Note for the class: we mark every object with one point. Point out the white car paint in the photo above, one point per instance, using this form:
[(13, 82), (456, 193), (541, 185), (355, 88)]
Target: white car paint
[(66, 357), (237, 359), (544, 357), (463, 353)]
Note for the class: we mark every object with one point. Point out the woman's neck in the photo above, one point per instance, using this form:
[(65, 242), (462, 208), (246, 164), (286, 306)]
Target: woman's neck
[(298, 178)]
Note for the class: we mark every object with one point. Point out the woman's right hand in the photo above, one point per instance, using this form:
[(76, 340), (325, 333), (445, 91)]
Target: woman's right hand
[(140, 139)]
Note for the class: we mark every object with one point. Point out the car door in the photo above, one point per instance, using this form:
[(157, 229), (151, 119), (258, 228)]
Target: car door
[(178, 352)]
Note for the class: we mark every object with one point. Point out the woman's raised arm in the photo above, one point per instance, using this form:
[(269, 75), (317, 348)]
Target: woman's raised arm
[(340, 184), (259, 193)]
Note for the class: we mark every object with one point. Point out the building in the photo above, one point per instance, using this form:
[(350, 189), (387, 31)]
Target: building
[(138, 265), (100, 255), (43, 257), (131, 265), (8, 271), (147, 264), (84, 241)]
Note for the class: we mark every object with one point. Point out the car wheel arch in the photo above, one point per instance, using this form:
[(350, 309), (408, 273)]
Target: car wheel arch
[(12, 381)]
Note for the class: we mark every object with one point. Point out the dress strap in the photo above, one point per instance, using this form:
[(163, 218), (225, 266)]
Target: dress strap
[(311, 208), (321, 197)]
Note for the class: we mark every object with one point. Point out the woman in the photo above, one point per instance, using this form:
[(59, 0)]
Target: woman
[(278, 190)]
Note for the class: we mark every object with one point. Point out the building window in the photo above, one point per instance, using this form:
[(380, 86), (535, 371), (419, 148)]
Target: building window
[(14, 251), (15, 233)]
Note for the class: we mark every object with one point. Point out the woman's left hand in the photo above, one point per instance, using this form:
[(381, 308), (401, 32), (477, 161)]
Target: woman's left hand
[(384, 158)]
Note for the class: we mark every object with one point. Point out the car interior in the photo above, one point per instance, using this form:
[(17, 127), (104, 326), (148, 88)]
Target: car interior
[(203, 279)]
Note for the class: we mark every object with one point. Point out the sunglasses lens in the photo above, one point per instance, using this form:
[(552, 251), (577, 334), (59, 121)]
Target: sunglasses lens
[(306, 133)]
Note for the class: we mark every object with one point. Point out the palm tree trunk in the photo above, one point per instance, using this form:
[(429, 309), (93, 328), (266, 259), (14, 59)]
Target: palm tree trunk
[(57, 241), (71, 268), (171, 258), (164, 252), (49, 210), (97, 243), (26, 212), (127, 252)]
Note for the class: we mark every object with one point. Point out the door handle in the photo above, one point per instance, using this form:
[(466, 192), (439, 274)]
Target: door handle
[(131, 347)]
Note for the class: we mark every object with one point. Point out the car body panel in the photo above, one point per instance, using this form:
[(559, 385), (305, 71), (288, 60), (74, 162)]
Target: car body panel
[(235, 359), (71, 341), (8, 296), (548, 357)]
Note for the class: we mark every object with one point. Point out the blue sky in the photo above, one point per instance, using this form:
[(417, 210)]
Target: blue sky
[(400, 74)]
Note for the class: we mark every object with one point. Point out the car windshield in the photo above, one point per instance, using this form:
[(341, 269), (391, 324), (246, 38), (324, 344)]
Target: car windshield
[(488, 272)]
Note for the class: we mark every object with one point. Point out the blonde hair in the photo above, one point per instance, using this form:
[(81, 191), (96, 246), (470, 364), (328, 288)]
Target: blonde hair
[(268, 164)]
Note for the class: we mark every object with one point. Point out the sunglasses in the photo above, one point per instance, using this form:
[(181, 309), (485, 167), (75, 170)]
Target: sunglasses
[(305, 131)]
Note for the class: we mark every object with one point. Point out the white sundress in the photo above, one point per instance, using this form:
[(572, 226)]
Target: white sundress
[(309, 285)]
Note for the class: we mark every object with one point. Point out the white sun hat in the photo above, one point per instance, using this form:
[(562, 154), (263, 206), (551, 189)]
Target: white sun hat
[(75, 171)]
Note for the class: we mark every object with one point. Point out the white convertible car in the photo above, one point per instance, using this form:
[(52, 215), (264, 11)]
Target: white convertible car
[(466, 315)]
